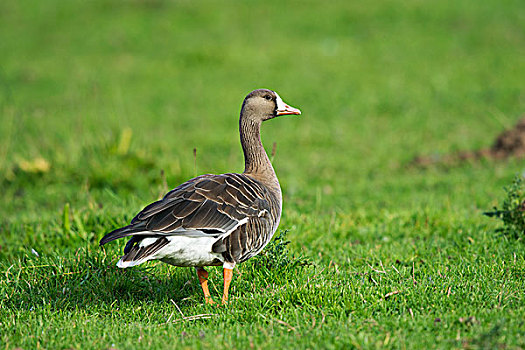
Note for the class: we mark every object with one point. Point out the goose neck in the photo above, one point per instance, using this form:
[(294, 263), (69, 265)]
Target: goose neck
[(256, 161)]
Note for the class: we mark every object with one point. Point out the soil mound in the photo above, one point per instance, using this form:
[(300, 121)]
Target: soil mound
[(510, 143)]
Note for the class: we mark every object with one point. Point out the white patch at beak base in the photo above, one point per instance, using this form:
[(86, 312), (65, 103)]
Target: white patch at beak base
[(283, 108)]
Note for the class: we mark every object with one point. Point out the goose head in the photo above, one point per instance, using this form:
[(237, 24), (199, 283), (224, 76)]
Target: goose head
[(264, 104)]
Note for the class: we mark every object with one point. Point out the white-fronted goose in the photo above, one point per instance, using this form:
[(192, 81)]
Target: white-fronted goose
[(214, 220)]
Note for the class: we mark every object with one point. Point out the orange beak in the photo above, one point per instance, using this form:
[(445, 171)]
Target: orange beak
[(287, 110)]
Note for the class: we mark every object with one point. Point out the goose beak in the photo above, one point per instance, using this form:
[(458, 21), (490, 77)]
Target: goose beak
[(288, 110), (284, 109)]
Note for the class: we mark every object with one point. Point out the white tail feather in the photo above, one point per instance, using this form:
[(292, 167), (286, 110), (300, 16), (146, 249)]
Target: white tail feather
[(123, 264)]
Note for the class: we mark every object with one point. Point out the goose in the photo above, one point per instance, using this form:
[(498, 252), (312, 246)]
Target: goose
[(214, 220)]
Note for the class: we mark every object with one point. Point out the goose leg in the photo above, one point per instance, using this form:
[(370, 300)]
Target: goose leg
[(227, 274), (203, 280)]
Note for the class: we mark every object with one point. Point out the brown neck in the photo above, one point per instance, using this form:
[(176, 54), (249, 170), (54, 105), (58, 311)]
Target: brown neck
[(256, 161)]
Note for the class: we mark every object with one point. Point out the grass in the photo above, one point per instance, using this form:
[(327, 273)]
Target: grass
[(98, 98)]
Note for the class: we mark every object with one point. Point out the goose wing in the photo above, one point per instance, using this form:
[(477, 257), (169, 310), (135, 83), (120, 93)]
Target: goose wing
[(213, 205)]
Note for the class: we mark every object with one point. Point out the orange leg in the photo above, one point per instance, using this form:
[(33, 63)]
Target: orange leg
[(228, 274), (203, 279)]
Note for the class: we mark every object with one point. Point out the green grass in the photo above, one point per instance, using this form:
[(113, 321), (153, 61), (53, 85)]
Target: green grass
[(98, 97)]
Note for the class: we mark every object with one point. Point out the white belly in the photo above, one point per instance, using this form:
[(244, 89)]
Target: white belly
[(189, 251)]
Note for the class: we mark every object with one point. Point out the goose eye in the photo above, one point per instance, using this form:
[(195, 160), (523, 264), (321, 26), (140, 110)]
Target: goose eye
[(268, 97)]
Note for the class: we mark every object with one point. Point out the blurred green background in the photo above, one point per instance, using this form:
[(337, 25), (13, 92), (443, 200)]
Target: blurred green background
[(378, 84), (98, 97)]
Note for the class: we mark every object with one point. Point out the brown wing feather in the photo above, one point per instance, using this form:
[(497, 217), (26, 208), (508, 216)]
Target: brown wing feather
[(213, 204)]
